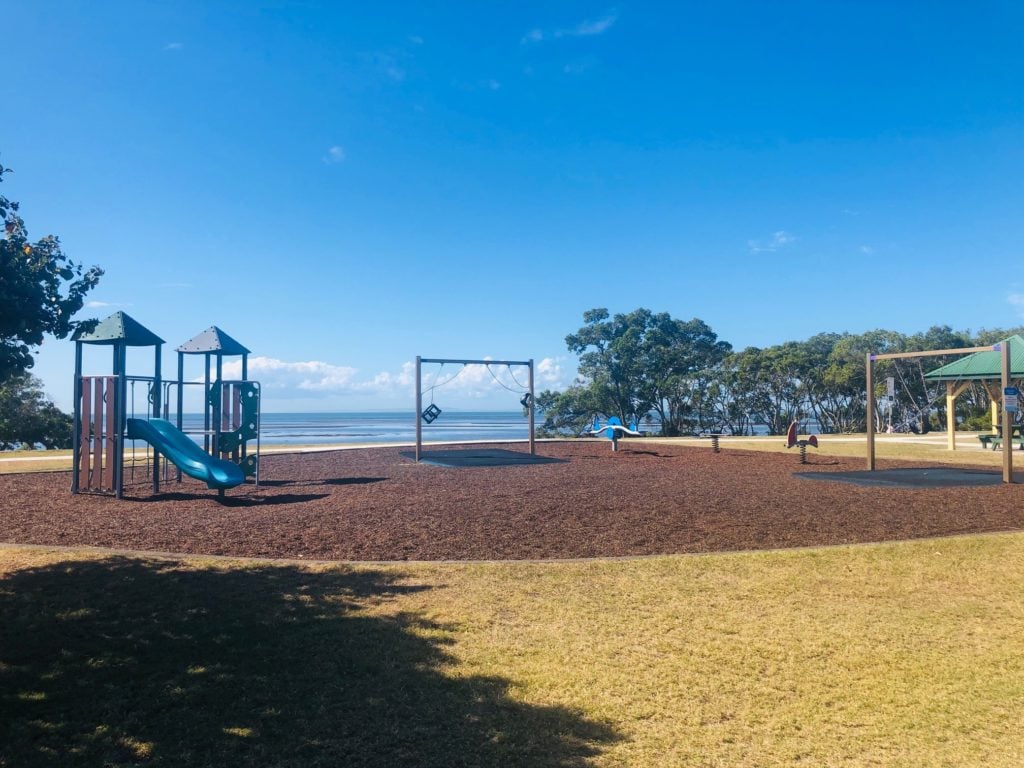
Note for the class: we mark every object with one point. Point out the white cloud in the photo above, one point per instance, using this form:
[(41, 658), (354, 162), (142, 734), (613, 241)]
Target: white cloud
[(492, 382), (415, 39), (453, 383), (595, 26), (867, 250), (174, 46), (404, 379), (586, 28), (777, 241), (548, 374), (471, 382), (306, 377), (94, 304), (334, 155), (1016, 300)]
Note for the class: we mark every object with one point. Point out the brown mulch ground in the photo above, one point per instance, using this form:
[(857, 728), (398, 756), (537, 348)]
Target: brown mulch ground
[(375, 505)]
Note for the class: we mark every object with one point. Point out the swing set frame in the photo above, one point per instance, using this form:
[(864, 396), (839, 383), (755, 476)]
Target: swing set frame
[(458, 361), (1002, 347)]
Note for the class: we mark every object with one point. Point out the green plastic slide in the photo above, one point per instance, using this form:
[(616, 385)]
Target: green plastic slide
[(181, 451)]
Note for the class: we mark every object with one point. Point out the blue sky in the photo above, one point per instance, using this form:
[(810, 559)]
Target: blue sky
[(343, 186)]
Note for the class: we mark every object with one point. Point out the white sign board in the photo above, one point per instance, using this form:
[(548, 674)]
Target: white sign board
[(1010, 397)]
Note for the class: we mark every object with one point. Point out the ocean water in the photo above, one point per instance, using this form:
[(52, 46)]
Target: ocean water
[(394, 427), (379, 427)]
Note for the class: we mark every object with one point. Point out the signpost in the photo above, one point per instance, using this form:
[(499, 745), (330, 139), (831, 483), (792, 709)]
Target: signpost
[(1011, 395)]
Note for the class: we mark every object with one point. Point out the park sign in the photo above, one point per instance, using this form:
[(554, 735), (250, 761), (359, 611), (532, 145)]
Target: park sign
[(1010, 397)]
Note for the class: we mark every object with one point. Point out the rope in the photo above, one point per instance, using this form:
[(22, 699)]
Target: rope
[(513, 375), (503, 384), (435, 385)]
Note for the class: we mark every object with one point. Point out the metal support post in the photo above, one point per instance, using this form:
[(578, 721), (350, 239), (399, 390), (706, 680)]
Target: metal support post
[(533, 400), (419, 408), (871, 411)]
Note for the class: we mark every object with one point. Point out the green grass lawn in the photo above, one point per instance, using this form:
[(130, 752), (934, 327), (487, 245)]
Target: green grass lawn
[(906, 654)]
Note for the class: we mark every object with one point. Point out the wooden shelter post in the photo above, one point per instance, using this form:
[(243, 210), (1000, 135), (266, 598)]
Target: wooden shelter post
[(952, 393), (950, 416), (994, 400), (871, 411)]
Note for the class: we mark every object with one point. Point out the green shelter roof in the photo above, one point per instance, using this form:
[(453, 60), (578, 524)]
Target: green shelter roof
[(983, 365), (120, 328), (213, 340)]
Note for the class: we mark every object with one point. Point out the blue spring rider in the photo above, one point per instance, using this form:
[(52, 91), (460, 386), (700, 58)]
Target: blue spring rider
[(613, 430)]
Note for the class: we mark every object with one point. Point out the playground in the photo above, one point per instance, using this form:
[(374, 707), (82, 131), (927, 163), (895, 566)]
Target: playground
[(517, 639), (777, 647), (374, 504)]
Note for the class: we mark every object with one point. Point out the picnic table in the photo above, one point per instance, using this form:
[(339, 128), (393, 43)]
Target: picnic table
[(996, 440)]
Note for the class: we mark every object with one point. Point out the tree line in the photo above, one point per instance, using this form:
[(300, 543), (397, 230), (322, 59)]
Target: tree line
[(41, 290), (677, 374)]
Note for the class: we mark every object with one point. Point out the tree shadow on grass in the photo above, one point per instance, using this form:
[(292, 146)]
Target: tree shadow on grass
[(126, 661)]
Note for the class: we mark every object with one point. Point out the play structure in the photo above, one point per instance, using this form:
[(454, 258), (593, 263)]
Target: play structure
[(793, 439), (185, 453), (231, 407), (431, 413), (1002, 363), (613, 430), (108, 414)]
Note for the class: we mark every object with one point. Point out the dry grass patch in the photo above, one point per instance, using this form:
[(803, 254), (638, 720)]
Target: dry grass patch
[(897, 654), (930, 448), (34, 461)]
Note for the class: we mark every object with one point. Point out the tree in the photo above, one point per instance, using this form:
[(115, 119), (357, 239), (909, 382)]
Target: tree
[(640, 362), (41, 290), (766, 384), (28, 419), (570, 412), (683, 368)]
